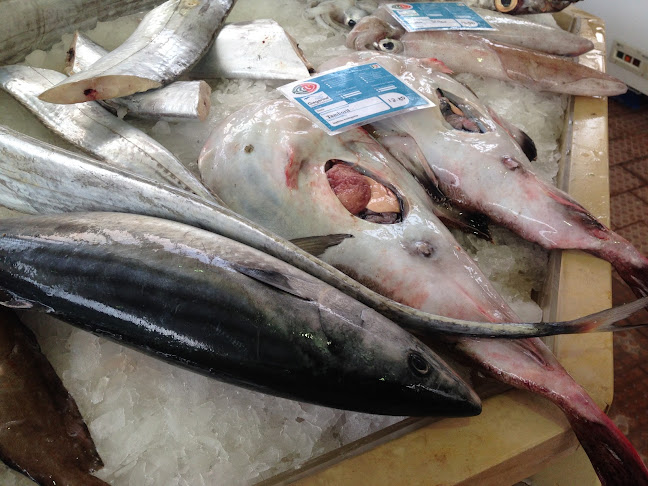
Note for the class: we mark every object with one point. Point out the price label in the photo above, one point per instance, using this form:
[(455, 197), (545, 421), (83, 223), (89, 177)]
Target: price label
[(416, 17), (344, 98)]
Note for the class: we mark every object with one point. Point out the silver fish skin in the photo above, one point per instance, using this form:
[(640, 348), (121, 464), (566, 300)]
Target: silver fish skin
[(460, 50), (290, 192), (202, 301), (259, 49), (178, 101), (470, 167), (38, 178), (94, 130), (169, 40), (29, 25)]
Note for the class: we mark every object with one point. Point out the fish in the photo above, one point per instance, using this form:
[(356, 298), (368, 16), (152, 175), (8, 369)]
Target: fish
[(340, 15), (178, 101), (459, 163), (43, 434), (93, 129), (39, 178), (27, 26), (260, 49), (292, 191), (218, 307), (170, 39), (467, 52)]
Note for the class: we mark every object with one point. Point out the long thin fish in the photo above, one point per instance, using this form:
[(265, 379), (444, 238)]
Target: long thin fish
[(36, 177), (27, 25), (179, 101), (202, 301), (465, 52), (42, 433), (92, 128), (169, 40)]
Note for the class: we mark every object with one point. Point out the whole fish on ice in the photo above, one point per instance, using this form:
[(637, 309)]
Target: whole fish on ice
[(170, 39), (42, 433), (299, 180), (224, 309), (486, 172), (468, 52)]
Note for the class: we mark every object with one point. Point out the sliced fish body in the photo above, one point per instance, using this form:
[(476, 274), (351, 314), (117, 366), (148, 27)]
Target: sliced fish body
[(179, 101), (93, 129), (465, 52), (282, 156), (40, 178), (169, 40), (43, 434), (488, 173), (29, 25), (260, 49), (216, 306)]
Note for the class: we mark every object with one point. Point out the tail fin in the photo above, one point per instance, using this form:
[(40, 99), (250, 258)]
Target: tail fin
[(635, 275)]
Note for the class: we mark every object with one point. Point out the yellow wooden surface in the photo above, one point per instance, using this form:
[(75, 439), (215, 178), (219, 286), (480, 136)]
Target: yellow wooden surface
[(519, 434)]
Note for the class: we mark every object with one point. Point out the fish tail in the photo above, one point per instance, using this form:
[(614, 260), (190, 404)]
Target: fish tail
[(604, 321), (615, 460), (635, 274)]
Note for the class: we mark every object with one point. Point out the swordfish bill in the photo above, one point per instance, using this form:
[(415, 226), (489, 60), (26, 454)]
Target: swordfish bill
[(170, 39), (39, 178), (216, 306)]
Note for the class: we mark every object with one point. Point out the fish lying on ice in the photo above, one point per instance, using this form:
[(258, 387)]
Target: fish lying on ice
[(301, 180), (43, 434), (467, 52), (169, 40), (93, 129), (486, 172), (340, 15), (27, 26), (221, 308), (39, 178)]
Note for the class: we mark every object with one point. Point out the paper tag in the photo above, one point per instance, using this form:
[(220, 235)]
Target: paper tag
[(348, 97), (416, 17)]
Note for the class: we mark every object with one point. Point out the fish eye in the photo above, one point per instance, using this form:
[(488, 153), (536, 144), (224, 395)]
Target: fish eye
[(389, 45), (351, 23), (418, 364), (506, 5)]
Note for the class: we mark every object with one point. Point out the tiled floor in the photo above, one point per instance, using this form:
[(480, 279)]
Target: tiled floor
[(628, 126)]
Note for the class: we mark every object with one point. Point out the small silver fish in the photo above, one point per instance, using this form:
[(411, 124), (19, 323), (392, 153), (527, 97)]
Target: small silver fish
[(169, 40)]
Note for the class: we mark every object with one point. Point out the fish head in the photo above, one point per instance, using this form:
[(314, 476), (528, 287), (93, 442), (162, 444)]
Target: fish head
[(271, 164), (515, 7), (389, 370)]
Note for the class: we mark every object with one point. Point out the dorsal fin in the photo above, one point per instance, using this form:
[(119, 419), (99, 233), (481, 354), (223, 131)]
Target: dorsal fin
[(316, 245)]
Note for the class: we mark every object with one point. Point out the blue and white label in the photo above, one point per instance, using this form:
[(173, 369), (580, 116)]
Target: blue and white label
[(416, 17), (348, 97)]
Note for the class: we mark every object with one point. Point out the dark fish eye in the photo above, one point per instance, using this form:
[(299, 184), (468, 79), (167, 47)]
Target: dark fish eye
[(387, 45), (418, 364), (351, 23)]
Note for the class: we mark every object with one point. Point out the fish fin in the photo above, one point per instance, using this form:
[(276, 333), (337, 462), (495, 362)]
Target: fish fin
[(474, 223), (635, 275), (524, 141), (604, 321), (286, 283), (316, 245), (12, 301)]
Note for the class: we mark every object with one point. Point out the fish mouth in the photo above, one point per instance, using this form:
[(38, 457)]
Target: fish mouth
[(362, 194)]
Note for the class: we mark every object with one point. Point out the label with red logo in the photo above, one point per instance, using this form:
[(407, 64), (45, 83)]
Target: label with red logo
[(422, 16), (344, 98)]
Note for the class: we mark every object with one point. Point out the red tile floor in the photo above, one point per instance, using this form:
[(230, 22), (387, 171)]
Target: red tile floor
[(628, 129)]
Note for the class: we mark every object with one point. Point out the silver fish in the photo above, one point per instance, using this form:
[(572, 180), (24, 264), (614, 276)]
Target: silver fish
[(469, 167), (93, 129), (216, 306), (466, 52), (36, 177), (27, 26), (168, 41), (178, 101), (276, 150)]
